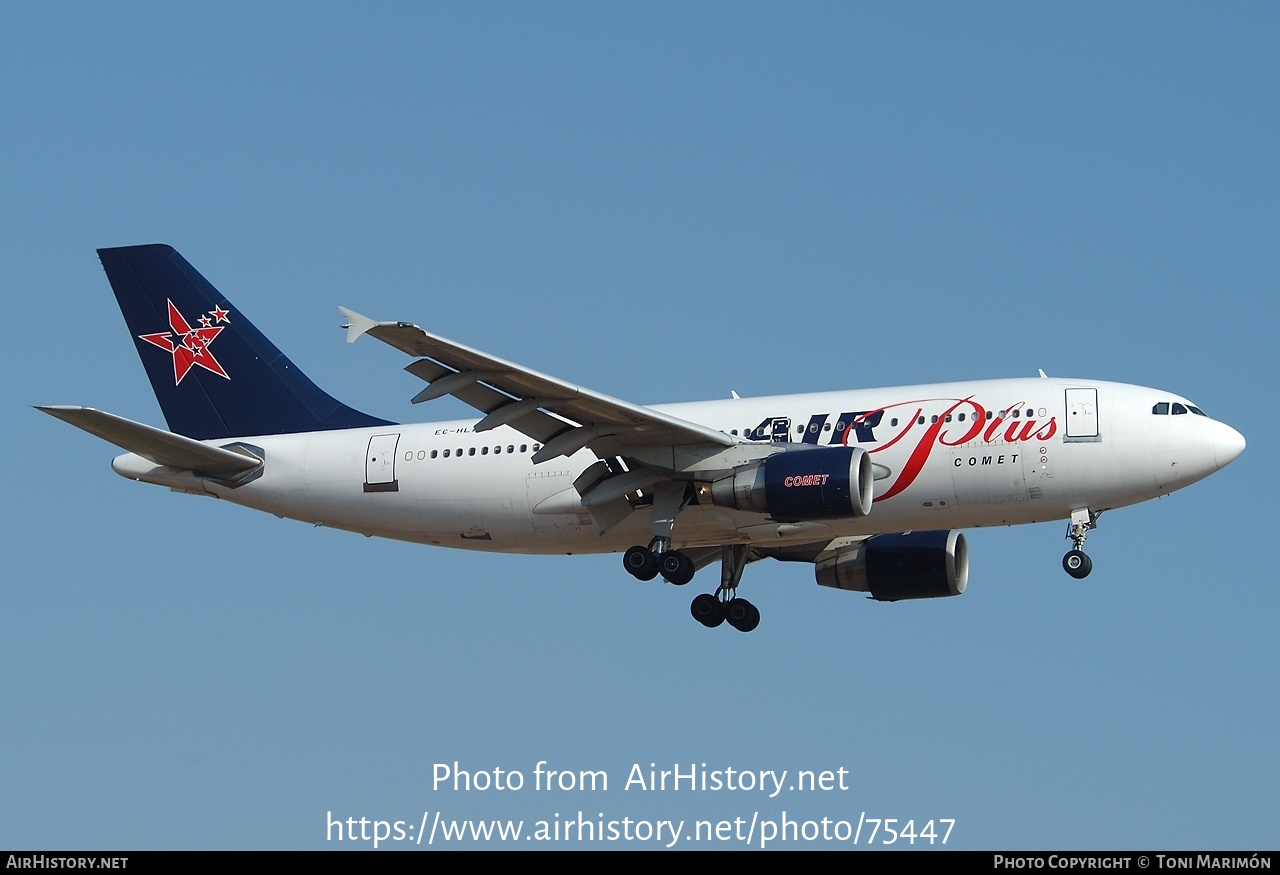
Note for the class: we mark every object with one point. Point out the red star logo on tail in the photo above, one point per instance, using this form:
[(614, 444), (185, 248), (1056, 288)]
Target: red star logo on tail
[(190, 346)]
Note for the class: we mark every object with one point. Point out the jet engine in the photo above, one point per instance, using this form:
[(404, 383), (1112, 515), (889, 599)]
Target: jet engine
[(915, 565), (799, 485)]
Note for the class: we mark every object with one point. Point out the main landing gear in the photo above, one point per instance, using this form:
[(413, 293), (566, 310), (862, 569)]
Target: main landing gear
[(712, 610), (1077, 563), (646, 563)]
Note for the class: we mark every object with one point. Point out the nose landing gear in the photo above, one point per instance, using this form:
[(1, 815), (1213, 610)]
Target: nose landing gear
[(1077, 563)]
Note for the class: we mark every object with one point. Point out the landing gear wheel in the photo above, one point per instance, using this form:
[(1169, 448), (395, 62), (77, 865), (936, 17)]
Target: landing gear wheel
[(742, 615), (706, 609), (641, 563), (676, 567), (1078, 564)]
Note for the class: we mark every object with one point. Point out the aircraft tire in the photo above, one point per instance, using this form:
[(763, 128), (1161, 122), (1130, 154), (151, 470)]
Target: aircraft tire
[(640, 563), (1077, 563), (706, 609), (742, 615), (677, 568)]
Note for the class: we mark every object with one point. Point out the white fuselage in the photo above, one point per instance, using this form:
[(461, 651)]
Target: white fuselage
[(947, 456)]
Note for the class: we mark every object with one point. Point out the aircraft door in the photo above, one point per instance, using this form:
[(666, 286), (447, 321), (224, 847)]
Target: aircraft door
[(380, 464), (1082, 416)]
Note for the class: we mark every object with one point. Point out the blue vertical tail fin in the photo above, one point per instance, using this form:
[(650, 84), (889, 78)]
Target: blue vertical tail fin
[(214, 374)]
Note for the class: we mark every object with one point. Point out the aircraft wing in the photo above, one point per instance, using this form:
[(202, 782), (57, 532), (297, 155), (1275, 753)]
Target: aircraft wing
[(560, 415)]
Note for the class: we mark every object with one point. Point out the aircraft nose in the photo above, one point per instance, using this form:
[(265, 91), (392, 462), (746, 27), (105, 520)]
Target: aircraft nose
[(1227, 444)]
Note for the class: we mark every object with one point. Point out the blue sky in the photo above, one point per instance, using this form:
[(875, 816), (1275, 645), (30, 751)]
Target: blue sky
[(663, 202)]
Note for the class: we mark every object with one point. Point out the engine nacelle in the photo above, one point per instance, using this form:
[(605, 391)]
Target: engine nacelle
[(917, 565), (799, 485)]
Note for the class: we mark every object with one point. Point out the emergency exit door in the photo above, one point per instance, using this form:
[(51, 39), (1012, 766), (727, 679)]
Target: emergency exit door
[(380, 464)]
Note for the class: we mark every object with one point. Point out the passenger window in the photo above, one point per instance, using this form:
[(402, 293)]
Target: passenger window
[(1161, 409), (471, 452), (511, 448), (435, 453), (446, 454)]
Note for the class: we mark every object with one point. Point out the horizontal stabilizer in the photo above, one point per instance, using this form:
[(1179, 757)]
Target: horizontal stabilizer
[(154, 444)]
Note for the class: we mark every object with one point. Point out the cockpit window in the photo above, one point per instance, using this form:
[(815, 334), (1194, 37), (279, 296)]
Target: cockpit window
[(1162, 409)]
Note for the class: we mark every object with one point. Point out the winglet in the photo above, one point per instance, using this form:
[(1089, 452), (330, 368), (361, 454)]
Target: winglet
[(356, 324)]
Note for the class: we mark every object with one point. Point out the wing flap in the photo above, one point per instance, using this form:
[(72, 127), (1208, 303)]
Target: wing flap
[(467, 387), (154, 444)]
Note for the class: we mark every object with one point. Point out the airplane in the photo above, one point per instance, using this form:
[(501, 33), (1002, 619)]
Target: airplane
[(870, 486)]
